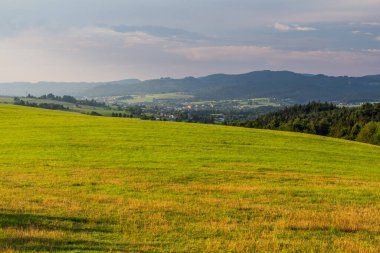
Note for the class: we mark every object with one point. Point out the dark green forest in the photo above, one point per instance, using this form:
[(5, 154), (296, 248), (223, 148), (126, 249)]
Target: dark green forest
[(351, 123)]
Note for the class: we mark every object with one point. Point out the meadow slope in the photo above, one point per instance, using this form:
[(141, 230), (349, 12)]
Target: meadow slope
[(74, 183)]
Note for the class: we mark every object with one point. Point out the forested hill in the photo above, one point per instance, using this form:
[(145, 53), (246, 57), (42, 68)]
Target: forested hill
[(299, 88), (358, 123), (283, 85)]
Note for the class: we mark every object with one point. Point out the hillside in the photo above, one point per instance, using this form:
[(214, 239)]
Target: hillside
[(357, 123), (72, 182), (282, 85), (299, 88)]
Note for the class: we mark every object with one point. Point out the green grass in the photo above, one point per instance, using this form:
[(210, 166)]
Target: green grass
[(85, 109), (75, 183), (149, 98)]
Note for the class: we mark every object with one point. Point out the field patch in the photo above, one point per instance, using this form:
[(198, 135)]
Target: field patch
[(76, 183)]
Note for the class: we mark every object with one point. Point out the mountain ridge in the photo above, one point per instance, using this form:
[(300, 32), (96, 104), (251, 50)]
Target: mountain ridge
[(283, 85), (289, 85)]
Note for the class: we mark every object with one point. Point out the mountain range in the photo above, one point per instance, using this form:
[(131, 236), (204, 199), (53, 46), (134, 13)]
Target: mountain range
[(284, 85)]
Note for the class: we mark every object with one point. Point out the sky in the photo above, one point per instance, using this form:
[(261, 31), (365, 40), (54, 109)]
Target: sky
[(105, 40)]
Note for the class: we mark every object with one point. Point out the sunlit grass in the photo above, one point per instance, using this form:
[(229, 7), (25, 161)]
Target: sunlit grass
[(84, 109), (71, 182), (149, 98)]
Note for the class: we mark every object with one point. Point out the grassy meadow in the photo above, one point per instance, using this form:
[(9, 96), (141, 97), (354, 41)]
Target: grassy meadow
[(85, 109), (150, 98), (76, 183)]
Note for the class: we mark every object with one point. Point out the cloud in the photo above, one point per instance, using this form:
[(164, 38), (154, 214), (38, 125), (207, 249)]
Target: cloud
[(236, 52), (371, 23), (361, 33), (87, 54), (281, 27), (378, 38), (237, 59), (373, 50), (90, 54), (94, 53), (140, 38), (285, 28), (160, 31), (214, 53), (197, 15)]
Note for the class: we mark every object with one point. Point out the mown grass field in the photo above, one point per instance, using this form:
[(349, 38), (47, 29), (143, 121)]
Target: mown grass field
[(76, 183), (85, 109)]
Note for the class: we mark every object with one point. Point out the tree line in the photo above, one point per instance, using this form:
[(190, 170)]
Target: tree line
[(70, 99), (352, 123), (51, 106)]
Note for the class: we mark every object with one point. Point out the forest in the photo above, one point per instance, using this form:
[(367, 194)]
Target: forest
[(352, 123)]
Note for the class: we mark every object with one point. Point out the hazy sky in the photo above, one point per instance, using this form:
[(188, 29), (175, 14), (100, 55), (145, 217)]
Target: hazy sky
[(102, 40)]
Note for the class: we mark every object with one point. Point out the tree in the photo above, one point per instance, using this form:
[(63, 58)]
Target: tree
[(370, 133)]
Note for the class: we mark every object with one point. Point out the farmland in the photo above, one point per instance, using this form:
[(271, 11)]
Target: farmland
[(79, 108), (150, 98), (71, 182)]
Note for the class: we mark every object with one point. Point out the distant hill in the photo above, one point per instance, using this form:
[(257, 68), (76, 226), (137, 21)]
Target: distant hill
[(57, 88), (110, 89), (42, 88), (299, 88), (285, 85)]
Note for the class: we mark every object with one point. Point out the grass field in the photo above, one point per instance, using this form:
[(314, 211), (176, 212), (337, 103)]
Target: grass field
[(75, 183), (85, 109), (150, 98)]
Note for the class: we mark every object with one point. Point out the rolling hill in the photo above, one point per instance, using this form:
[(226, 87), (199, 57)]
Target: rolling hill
[(283, 85), (299, 88), (76, 183)]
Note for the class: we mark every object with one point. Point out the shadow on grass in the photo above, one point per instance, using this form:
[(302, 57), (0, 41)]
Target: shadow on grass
[(24, 241), (333, 230), (53, 245), (72, 224)]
